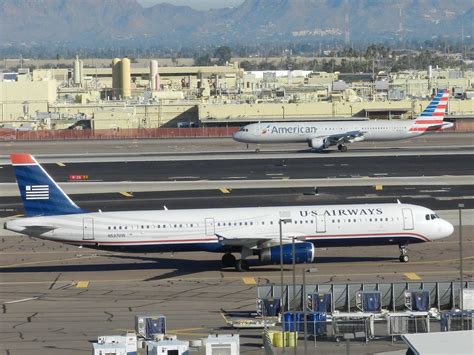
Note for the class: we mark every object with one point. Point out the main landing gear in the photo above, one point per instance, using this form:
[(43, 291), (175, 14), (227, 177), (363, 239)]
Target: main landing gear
[(242, 265), (403, 253), (342, 148), (230, 261)]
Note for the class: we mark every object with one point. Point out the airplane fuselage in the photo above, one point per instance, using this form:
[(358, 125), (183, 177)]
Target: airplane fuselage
[(296, 132), (228, 229)]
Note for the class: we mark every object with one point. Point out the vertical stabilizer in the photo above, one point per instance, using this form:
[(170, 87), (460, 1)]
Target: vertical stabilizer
[(40, 194), (432, 116)]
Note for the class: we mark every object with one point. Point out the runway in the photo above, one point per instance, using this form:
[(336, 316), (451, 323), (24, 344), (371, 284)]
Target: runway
[(230, 169), (56, 299)]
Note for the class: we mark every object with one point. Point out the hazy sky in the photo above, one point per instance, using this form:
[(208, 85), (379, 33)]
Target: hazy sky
[(195, 4)]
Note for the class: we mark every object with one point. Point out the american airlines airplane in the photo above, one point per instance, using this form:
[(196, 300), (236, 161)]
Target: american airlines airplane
[(52, 215), (321, 135)]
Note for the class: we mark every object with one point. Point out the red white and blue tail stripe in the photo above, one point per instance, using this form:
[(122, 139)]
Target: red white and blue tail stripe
[(432, 117), (40, 194)]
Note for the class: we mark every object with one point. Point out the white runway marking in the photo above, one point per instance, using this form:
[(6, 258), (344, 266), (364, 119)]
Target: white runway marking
[(22, 300)]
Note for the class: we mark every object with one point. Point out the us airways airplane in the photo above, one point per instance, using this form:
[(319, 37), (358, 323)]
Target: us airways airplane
[(52, 215), (321, 135)]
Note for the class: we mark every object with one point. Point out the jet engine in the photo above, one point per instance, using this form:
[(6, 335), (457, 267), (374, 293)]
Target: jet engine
[(319, 143), (304, 253)]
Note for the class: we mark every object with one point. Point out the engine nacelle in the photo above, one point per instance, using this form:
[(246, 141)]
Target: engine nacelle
[(304, 253), (318, 143)]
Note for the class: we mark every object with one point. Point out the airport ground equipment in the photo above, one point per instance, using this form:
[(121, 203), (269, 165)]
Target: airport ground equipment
[(399, 323), (457, 320), (369, 301), (150, 325), (116, 344), (358, 325), (268, 307), (175, 347), (228, 344), (317, 323), (444, 295), (468, 299), (320, 302), (417, 300)]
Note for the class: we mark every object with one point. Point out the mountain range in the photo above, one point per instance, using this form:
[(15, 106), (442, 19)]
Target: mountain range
[(126, 22)]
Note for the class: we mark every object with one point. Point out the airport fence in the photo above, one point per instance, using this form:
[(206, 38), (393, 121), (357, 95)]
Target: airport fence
[(73, 134), (344, 297)]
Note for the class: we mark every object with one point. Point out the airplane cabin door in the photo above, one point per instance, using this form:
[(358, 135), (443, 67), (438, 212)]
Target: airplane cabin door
[(407, 218), (88, 228), (320, 224), (210, 227)]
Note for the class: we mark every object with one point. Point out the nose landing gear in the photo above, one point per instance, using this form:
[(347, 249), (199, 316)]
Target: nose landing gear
[(403, 253), (342, 148)]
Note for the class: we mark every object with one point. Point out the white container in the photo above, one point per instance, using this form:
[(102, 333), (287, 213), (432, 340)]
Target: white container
[(167, 346), (228, 344)]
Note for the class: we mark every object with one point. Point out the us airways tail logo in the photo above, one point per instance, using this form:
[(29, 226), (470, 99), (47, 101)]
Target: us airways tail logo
[(37, 192)]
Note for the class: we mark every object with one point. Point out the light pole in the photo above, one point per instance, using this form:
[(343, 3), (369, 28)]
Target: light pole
[(310, 270), (293, 256), (461, 278), (280, 223)]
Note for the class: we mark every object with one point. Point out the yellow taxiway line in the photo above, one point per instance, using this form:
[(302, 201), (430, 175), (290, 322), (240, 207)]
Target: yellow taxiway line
[(126, 194), (249, 280), (412, 276), (82, 284)]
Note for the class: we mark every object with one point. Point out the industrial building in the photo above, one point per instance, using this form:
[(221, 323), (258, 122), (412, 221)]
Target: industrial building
[(127, 95)]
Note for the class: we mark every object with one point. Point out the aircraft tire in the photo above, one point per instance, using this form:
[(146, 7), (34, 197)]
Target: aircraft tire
[(241, 266), (404, 258), (228, 260)]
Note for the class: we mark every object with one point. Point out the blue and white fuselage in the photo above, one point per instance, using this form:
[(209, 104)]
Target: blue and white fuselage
[(249, 231)]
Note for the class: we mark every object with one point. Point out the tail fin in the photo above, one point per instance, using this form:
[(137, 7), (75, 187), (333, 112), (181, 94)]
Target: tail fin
[(432, 117), (40, 194)]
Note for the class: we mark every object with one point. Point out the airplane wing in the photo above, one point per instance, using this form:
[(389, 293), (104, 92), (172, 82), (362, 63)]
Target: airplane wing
[(254, 243), (346, 137)]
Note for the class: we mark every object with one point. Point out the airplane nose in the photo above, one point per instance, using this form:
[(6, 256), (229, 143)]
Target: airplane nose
[(237, 136), (449, 228)]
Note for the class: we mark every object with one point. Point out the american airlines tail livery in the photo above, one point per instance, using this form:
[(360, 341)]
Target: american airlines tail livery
[(52, 215), (321, 135)]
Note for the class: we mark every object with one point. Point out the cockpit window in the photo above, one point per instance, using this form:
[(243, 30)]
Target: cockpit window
[(431, 216)]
